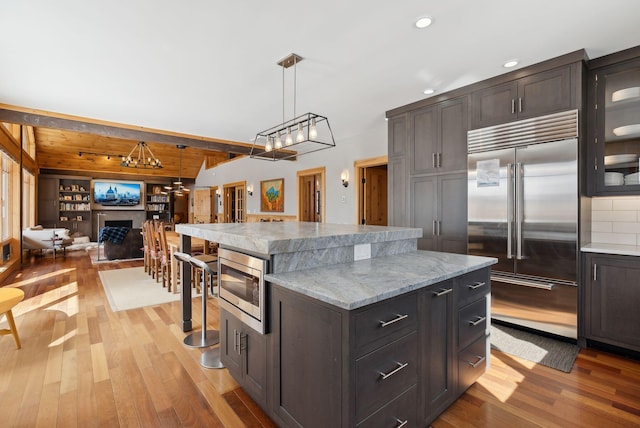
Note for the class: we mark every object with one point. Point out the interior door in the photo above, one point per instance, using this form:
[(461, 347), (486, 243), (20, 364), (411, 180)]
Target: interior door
[(310, 198), (203, 205), (375, 195)]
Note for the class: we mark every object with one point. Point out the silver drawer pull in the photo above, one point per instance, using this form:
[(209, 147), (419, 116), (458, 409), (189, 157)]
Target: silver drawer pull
[(477, 363), (477, 321), (476, 285), (442, 292), (396, 370), (396, 319), (401, 423)]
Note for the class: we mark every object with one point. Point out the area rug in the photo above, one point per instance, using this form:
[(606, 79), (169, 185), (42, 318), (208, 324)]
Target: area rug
[(132, 288), (532, 347)]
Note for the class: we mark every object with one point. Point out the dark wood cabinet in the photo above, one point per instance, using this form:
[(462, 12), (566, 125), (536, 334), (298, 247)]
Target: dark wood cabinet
[(535, 95), (398, 135), (388, 363), (159, 203), (439, 207), (398, 142), (65, 202), (438, 137), (612, 300), (48, 198), (471, 291), (438, 353), (309, 361), (244, 354), (614, 126)]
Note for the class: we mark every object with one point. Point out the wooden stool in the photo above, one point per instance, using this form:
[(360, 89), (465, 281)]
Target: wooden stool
[(9, 297)]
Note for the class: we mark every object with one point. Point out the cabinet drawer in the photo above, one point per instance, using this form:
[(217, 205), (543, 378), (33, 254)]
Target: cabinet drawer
[(385, 373), (472, 286), (385, 321), (472, 322), (472, 362), (401, 410)]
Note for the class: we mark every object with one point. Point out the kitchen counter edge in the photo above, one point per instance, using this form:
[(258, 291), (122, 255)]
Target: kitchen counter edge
[(617, 249), (356, 284)]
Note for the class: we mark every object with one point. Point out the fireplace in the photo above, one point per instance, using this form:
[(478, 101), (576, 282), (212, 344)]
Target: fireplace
[(119, 223)]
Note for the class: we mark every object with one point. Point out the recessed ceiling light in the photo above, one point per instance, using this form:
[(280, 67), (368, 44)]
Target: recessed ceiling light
[(428, 91), (510, 63), (424, 22)]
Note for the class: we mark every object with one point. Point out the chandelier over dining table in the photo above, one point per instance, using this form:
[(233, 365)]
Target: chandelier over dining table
[(141, 156), (303, 134)]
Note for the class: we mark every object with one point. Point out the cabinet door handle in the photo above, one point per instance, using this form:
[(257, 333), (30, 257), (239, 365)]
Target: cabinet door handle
[(395, 320), (401, 423), (236, 341), (442, 292), (519, 104), (438, 231), (434, 160), (479, 320), (513, 106), (394, 371), (439, 157), (475, 285), (477, 363), (595, 271), (433, 228), (241, 336)]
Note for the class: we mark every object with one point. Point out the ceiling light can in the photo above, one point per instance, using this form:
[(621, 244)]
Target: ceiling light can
[(423, 22), (511, 63)]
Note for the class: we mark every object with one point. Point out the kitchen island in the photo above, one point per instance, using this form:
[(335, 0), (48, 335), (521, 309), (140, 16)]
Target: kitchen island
[(362, 329)]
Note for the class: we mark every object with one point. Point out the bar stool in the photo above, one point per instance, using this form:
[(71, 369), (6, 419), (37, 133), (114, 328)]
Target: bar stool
[(210, 358), (9, 297), (207, 337)]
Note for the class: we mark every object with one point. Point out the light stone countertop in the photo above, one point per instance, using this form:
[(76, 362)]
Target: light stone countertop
[(356, 284), (618, 249), (287, 237)]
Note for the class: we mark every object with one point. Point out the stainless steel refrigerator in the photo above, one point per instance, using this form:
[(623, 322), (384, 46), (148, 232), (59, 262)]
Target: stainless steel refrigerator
[(523, 209)]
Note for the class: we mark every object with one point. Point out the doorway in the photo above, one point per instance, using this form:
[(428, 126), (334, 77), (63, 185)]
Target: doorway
[(234, 202), (204, 208), (311, 195), (372, 191)]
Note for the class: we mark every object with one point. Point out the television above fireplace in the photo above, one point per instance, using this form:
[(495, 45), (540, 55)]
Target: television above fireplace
[(117, 195)]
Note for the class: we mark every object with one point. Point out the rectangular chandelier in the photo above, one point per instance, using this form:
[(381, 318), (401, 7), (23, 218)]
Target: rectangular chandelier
[(295, 137), (304, 134)]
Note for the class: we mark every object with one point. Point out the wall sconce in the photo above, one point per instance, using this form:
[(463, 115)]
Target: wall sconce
[(250, 190), (345, 178)]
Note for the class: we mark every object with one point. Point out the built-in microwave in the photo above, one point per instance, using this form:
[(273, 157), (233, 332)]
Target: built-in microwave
[(241, 287)]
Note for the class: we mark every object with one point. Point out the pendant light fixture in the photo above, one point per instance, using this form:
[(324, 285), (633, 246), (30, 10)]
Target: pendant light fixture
[(141, 156), (177, 188), (295, 137)]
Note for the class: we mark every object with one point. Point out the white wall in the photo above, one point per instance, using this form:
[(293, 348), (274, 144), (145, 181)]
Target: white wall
[(615, 220), (365, 145)]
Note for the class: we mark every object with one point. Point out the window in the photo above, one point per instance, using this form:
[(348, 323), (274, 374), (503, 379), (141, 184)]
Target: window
[(28, 199), (5, 202)]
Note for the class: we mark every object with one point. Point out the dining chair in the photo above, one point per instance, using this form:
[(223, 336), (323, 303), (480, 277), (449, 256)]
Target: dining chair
[(154, 252), (165, 258)]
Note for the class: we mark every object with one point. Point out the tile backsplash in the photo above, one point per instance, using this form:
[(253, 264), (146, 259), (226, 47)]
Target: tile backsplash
[(615, 220)]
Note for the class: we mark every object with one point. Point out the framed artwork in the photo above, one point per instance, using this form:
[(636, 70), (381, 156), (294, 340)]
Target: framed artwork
[(272, 195)]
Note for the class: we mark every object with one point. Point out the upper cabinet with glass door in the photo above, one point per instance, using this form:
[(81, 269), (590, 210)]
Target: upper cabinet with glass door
[(615, 132)]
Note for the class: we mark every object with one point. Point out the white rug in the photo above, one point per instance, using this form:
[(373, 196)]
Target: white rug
[(132, 288)]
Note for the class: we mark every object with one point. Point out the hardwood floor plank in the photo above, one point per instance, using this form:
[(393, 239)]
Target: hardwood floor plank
[(48, 407)]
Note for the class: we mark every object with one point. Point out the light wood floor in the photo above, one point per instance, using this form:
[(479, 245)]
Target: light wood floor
[(83, 365)]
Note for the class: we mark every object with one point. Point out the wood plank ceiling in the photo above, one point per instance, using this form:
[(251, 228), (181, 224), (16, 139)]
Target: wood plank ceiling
[(59, 151)]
